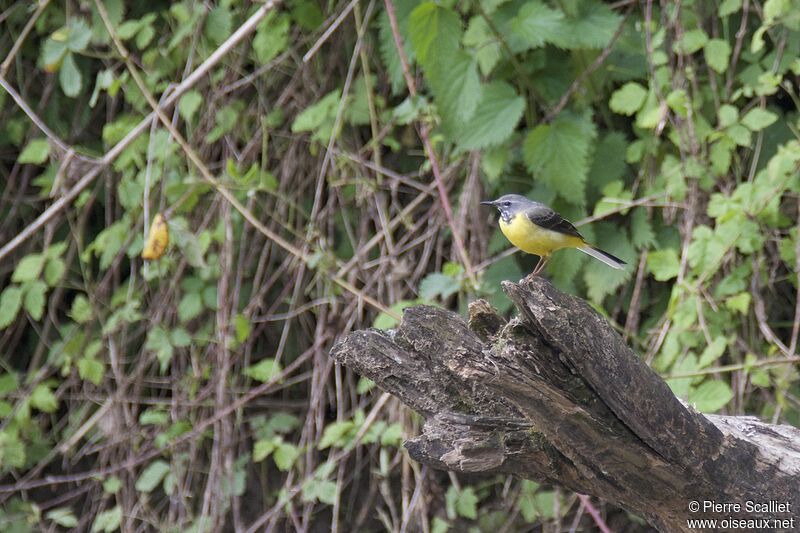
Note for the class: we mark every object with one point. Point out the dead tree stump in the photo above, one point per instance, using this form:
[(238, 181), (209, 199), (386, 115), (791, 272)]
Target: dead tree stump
[(556, 395)]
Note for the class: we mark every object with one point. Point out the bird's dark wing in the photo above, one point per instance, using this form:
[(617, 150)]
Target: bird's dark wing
[(543, 216)]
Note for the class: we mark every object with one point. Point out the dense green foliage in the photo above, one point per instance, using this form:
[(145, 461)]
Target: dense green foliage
[(194, 392)]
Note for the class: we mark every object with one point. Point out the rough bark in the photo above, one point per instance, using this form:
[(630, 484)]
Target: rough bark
[(556, 395)]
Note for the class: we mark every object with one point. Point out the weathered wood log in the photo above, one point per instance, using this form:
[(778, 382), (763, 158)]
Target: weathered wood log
[(556, 395)]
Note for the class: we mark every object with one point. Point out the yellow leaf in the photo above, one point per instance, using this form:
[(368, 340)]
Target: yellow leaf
[(157, 239)]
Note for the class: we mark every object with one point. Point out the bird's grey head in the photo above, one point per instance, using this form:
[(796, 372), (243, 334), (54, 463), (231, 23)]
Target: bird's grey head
[(509, 205)]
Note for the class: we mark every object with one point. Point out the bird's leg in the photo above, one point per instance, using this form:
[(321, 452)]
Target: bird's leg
[(540, 265)]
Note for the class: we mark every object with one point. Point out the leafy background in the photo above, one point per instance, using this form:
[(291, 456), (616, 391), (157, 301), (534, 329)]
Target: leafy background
[(317, 181)]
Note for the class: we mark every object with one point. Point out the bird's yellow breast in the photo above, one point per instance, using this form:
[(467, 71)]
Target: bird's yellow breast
[(534, 239)]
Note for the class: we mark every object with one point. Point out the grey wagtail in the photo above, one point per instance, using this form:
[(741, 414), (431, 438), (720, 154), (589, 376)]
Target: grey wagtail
[(536, 229)]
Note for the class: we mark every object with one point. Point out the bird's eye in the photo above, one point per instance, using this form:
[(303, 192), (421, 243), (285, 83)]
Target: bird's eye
[(506, 204)]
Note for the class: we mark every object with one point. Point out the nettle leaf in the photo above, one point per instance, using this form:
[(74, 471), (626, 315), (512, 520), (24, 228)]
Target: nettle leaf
[(219, 24), (152, 476), (35, 292), (456, 86), (10, 302), (537, 24), (664, 264), (107, 521), (559, 152), (593, 27), (717, 53), (438, 285), (158, 341), (387, 321), (391, 59), (189, 104), (264, 370), (710, 396), (757, 119), (642, 234), (628, 99), (36, 152), (434, 31), (29, 268), (494, 121), (319, 117), (487, 48), (691, 41), (43, 399), (272, 36), (70, 77)]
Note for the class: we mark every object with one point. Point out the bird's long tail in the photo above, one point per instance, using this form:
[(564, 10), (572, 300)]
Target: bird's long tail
[(605, 257)]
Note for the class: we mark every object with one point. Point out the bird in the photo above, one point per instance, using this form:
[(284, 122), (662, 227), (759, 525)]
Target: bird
[(536, 229)]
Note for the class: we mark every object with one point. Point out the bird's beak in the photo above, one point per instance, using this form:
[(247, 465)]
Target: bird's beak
[(488, 202)]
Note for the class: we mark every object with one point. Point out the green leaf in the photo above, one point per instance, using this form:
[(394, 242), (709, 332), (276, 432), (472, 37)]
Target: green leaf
[(81, 311), (739, 302), (664, 264), (538, 24), (79, 35), (263, 448), (62, 516), (497, 115), (112, 485), (43, 399), (485, 45), (107, 521), (728, 115), (91, 369), (36, 152), (158, 341), (628, 99), (219, 24), (456, 87), (154, 417), (467, 503), (393, 435), (691, 41), (189, 104), (438, 285), (337, 434), (391, 59), (718, 52), (593, 26), (712, 352), (729, 6), (285, 455), (386, 321), (439, 526), (319, 117), (152, 476), (29, 268), (70, 77), (757, 119), (180, 337), (642, 234), (54, 270), (190, 306), (34, 299), (558, 153), (272, 36), (264, 370), (710, 396), (434, 31), (10, 302)]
